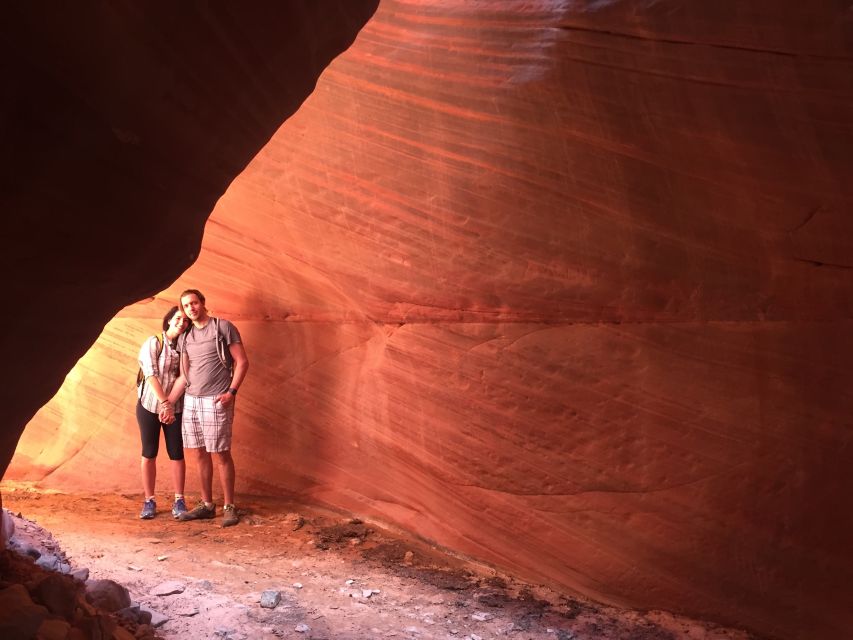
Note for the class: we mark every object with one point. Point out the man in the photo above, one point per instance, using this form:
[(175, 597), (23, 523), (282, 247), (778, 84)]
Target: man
[(210, 349)]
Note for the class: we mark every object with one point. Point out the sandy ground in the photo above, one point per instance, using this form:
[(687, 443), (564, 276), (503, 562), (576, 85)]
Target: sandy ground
[(338, 578)]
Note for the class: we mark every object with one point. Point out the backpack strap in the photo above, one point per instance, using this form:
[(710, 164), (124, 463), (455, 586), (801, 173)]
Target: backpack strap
[(222, 349)]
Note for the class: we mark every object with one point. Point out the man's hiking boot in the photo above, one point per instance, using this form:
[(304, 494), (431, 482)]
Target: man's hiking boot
[(229, 516), (200, 512), (180, 507), (148, 510)]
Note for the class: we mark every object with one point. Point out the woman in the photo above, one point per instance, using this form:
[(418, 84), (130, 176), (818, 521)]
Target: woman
[(159, 362)]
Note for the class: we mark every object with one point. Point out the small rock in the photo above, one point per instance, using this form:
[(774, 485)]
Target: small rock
[(54, 630), (161, 558), (366, 593), (350, 581), (48, 561), (58, 593), (81, 574), (20, 617), (107, 595), (168, 588), (408, 558), (32, 552), (131, 614), (207, 585), (270, 599), (297, 585), (157, 618), (481, 616), (302, 628), (120, 633), (133, 567)]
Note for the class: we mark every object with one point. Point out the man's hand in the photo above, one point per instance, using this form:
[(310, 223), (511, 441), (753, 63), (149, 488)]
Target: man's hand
[(225, 399), (167, 412)]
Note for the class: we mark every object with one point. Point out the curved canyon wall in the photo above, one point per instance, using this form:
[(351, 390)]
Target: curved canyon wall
[(563, 286)]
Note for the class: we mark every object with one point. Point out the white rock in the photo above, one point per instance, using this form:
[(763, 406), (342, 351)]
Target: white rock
[(297, 585), (81, 574), (366, 593), (168, 588), (302, 628), (350, 581), (48, 561), (270, 599), (157, 618), (481, 616)]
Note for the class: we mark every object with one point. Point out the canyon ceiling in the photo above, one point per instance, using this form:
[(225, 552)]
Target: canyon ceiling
[(566, 287)]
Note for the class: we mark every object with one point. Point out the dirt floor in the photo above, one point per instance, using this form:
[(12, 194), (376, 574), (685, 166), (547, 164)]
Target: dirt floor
[(338, 578)]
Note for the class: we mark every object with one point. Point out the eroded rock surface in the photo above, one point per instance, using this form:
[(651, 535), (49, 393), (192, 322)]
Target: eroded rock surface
[(562, 286)]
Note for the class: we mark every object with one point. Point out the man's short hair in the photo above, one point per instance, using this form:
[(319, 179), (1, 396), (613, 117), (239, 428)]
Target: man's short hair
[(196, 292)]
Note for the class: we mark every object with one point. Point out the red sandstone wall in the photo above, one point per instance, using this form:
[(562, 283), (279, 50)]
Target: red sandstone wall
[(562, 286)]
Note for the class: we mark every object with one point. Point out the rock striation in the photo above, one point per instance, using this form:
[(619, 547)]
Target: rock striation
[(565, 287)]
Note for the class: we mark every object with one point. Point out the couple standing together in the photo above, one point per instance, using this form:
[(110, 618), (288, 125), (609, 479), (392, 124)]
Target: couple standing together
[(191, 374)]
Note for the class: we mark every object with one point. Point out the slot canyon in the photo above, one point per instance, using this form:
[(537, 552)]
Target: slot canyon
[(564, 287)]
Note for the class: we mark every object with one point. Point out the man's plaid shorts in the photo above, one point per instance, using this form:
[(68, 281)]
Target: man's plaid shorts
[(207, 424)]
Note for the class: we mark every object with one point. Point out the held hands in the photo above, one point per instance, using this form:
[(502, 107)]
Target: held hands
[(166, 412)]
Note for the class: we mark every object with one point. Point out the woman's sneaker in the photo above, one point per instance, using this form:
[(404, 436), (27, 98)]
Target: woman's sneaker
[(178, 508), (200, 512), (148, 510)]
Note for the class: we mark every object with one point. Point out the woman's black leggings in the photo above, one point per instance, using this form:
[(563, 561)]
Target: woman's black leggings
[(149, 429)]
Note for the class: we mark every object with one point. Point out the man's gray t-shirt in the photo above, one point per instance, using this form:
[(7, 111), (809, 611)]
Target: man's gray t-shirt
[(203, 369)]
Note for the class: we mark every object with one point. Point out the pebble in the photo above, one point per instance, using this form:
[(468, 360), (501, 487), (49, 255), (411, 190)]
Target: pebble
[(81, 574), (107, 594), (48, 561), (481, 616), (302, 628), (168, 588), (270, 599), (157, 618), (297, 585)]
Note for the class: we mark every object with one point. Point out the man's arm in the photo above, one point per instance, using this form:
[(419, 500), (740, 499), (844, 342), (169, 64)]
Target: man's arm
[(241, 363), (177, 389), (241, 367)]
